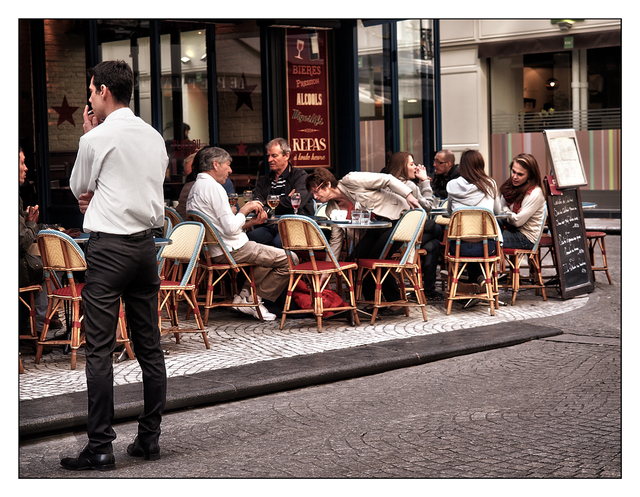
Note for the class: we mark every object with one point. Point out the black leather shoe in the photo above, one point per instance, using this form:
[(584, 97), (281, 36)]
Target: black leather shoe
[(150, 452), (88, 460)]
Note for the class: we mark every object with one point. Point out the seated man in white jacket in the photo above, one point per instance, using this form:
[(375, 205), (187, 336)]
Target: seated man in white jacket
[(209, 197)]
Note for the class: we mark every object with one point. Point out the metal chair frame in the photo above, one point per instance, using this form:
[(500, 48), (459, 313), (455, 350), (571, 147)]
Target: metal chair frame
[(405, 266), (302, 234), (176, 267), (473, 224), (221, 270)]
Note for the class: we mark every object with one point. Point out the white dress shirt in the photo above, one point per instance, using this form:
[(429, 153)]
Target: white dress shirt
[(209, 197), (123, 161)]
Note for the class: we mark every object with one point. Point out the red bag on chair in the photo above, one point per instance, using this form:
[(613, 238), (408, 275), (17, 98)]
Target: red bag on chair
[(302, 298)]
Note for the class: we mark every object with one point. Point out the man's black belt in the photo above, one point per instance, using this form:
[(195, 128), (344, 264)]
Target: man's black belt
[(139, 234)]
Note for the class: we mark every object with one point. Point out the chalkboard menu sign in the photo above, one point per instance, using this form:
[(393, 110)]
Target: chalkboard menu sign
[(570, 243)]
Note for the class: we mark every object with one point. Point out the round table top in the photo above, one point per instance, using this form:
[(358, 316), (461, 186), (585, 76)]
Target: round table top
[(349, 224)]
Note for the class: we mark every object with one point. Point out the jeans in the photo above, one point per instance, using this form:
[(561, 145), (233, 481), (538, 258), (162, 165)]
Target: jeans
[(267, 234), (516, 240)]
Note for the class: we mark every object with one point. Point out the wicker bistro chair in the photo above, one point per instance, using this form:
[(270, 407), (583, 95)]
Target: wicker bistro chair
[(230, 269), (173, 215), (168, 225), (60, 252), (27, 295), (514, 259), (468, 225), (302, 234), (176, 266), (406, 267)]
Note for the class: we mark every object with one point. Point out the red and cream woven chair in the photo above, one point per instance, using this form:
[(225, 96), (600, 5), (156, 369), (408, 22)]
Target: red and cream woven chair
[(230, 269), (514, 262), (469, 225), (60, 253), (405, 267), (302, 234), (177, 269)]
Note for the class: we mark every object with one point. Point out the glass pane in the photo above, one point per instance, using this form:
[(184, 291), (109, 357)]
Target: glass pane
[(371, 91), (66, 99), (240, 98), (412, 71)]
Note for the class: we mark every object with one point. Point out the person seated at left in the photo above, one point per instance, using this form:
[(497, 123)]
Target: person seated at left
[(208, 196)]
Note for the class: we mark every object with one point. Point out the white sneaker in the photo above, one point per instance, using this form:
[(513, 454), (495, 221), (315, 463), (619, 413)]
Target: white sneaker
[(266, 315)]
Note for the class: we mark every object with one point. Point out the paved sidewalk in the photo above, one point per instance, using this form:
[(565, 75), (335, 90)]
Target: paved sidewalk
[(250, 358)]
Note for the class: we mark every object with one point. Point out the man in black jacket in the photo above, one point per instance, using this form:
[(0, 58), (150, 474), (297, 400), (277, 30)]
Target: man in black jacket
[(446, 169), (283, 180)]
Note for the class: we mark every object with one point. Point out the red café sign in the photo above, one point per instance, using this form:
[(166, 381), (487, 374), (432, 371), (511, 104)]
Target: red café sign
[(308, 98)]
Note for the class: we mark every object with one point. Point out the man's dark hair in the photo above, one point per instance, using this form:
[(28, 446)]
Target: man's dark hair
[(115, 75)]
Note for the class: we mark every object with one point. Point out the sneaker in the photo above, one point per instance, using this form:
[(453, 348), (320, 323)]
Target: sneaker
[(266, 315)]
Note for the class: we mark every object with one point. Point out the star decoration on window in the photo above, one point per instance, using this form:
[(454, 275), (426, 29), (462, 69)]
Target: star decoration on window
[(242, 148), (65, 112), (244, 94)]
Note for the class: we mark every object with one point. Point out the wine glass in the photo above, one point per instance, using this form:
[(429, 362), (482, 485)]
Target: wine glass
[(233, 199), (295, 202), (247, 195), (273, 201)]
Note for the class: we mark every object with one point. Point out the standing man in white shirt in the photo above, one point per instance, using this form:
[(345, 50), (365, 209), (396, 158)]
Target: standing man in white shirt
[(118, 178), (208, 196)]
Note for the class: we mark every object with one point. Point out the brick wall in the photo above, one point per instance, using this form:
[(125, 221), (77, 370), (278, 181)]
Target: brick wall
[(66, 77)]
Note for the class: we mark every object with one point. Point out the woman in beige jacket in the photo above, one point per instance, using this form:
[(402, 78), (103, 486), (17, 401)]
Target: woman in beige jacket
[(386, 196)]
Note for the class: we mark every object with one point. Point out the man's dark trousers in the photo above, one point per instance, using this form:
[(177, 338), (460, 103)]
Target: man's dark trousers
[(122, 266)]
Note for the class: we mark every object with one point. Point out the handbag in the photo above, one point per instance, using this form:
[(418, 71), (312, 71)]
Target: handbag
[(30, 271)]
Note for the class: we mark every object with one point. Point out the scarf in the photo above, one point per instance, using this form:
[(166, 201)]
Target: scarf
[(515, 195)]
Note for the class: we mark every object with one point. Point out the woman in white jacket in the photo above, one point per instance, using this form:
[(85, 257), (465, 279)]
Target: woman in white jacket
[(474, 188)]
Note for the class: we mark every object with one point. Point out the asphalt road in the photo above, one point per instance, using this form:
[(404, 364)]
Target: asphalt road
[(545, 409)]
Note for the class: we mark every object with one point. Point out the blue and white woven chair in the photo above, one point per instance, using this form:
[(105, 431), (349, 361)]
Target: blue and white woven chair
[(405, 266), (220, 271), (177, 264)]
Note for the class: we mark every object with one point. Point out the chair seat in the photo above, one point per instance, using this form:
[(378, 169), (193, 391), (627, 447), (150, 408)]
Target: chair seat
[(514, 251), (323, 266), (596, 234), (66, 293), (176, 285), (375, 263)]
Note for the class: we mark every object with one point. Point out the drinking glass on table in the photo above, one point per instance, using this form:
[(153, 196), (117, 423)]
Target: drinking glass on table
[(295, 202), (233, 199), (247, 195), (273, 201)]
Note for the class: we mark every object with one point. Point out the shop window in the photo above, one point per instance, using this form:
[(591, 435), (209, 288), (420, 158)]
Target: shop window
[(240, 97)]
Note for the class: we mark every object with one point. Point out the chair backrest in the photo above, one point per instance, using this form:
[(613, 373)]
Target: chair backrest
[(211, 237), (60, 252), (301, 233), (173, 214), (186, 243), (321, 211), (542, 228), (408, 232), (168, 225), (473, 223)]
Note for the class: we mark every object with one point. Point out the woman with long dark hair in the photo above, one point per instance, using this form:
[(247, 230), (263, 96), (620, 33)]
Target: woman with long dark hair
[(402, 166), (474, 188), (522, 198)]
